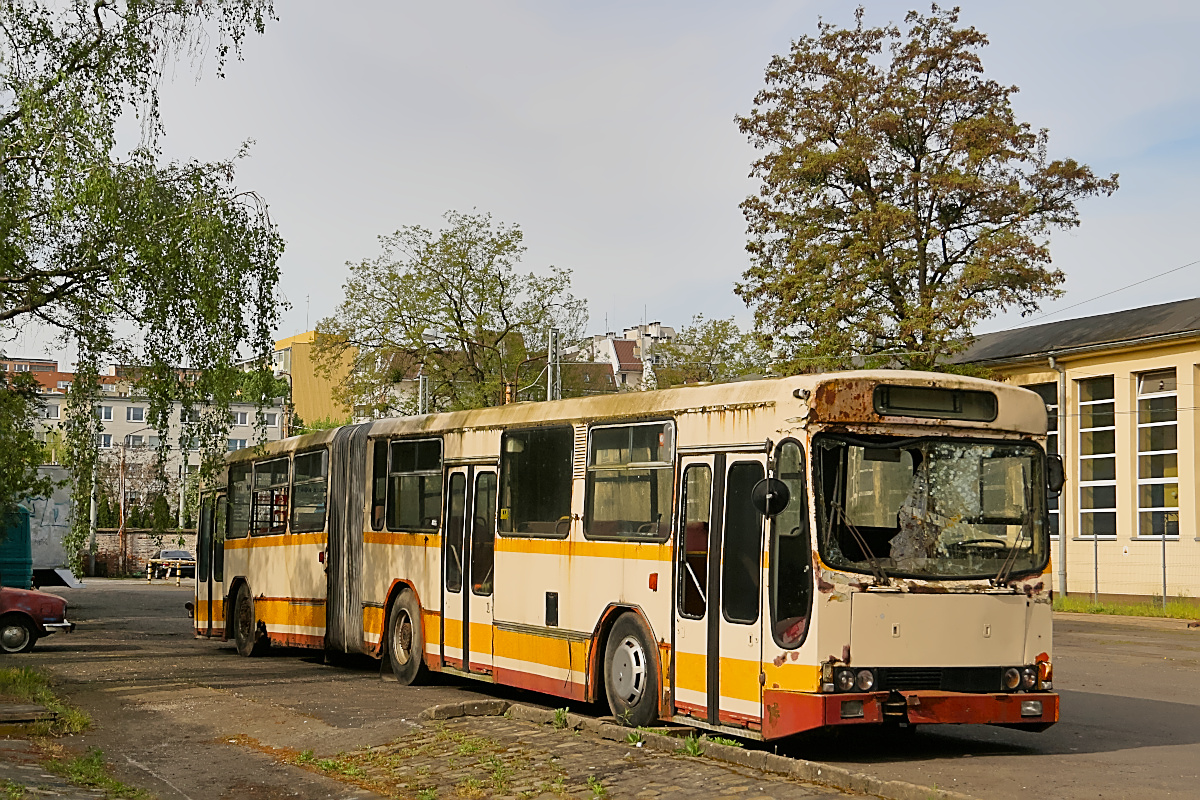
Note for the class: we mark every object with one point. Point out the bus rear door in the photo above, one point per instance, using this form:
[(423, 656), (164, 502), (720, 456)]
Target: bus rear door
[(467, 569)]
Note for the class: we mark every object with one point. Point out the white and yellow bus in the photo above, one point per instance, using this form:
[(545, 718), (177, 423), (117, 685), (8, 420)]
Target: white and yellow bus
[(758, 558)]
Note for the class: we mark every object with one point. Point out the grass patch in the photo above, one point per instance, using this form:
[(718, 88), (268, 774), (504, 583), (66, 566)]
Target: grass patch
[(1175, 609), (24, 683), (91, 772), (12, 791)]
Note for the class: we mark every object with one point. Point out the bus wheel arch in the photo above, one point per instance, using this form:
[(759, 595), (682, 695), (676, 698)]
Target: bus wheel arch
[(402, 645), (626, 666)]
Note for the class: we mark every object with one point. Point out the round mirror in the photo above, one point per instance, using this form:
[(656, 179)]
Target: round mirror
[(770, 496)]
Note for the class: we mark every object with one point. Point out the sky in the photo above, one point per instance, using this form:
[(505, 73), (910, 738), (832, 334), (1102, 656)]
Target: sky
[(606, 131)]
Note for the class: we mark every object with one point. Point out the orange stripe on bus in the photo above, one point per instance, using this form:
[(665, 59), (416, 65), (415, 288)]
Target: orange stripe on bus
[(739, 676), (403, 538), (277, 540), (545, 650), (275, 611), (642, 551)]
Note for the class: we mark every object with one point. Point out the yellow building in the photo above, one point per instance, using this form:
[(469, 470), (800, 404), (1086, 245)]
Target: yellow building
[(1120, 391), (312, 392)]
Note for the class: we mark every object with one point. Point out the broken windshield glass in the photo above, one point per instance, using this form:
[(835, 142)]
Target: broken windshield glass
[(931, 508)]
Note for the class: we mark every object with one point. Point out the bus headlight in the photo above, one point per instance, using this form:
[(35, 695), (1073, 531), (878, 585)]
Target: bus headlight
[(1011, 679), (865, 680), (844, 678), (1029, 678)]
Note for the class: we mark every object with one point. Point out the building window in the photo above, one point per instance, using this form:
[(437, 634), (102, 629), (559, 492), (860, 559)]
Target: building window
[(1097, 458), (135, 440), (104, 413), (271, 419), (104, 441), (64, 384), (1049, 394), (1158, 455), (239, 417), (22, 368), (135, 414), (237, 444), (50, 412)]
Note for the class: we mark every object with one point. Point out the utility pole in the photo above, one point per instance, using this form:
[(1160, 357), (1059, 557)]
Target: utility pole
[(553, 364)]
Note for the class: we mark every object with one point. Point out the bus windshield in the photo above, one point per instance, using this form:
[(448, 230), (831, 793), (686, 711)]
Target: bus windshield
[(930, 507)]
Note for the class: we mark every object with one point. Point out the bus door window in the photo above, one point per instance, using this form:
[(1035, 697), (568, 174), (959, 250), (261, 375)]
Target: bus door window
[(239, 501), (379, 476), (696, 508), (218, 546), (270, 512), (455, 518), (205, 543), (741, 557), (483, 533), (791, 553)]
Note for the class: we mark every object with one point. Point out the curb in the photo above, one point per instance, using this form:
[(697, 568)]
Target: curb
[(795, 768)]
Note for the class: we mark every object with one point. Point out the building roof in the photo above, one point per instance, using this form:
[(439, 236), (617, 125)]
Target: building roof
[(627, 361), (1167, 320)]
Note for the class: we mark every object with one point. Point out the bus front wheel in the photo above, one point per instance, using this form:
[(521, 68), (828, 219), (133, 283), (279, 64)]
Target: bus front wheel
[(244, 623), (631, 672), (405, 639)]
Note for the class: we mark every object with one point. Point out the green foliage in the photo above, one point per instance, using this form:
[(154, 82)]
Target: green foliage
[(25, 683), (597, 787), (1175, 609), (724, 740), (158, 265), (12, 790), (322, 424), (691, 747), (634, 737), (450, 304), (560, 717), (901, 201), (709, 351), (91, 771), (20, 451)]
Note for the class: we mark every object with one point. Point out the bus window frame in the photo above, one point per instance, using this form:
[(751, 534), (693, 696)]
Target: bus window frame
[(500, 475), (440, 472), (232, 488), (292, 528), (671, 464), (727, 566), (272, 488)]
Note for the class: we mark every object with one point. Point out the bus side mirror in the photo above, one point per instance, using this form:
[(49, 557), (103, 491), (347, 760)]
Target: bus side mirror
[(1056, 474), (770, 496)]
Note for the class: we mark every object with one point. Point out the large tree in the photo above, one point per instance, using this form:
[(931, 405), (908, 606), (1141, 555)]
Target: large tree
[(450, 305), (709, 351), (20, 450), (159, 265), (901, 201)]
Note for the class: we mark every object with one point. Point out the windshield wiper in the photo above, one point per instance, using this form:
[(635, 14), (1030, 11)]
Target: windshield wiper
[(877, 569), (1010, 560)]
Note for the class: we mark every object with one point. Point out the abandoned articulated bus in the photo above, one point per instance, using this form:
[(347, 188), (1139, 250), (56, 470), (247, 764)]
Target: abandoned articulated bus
[(757, 558)]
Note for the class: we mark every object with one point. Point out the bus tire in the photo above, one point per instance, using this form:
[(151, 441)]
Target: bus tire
[(405, 639), (245, 624), (631, 672)]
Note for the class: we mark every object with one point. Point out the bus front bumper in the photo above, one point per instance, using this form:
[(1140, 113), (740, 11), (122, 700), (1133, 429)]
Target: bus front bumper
[(785, 713)]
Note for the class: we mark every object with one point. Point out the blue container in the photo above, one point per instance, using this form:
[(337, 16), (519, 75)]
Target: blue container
[(16, 551)]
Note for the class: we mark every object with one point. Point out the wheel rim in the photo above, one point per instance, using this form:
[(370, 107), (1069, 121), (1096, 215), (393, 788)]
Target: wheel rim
[(629, 670), (402, 637), (14, 637)]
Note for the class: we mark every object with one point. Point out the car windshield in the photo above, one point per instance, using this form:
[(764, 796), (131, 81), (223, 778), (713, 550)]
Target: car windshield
[(175, 554), (931, 508)]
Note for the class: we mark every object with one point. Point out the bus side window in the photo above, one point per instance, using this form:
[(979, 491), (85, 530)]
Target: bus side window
[(309, 491), (630, 477), (218, 554), (483, 534), (535, 481), (791, 553), (455, 518), (696, 511), (379, 471), (414, 490), (270, 512), (741, 561), (239, 501)]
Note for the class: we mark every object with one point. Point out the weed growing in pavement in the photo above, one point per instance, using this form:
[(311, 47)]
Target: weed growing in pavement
[(471, 787), (13, 791), (598, 789), (724, 740), (91, 772), (429, 793), (501, 772), (560, 717), (634, 738), (691, 746), (28, 684), (625, 718)]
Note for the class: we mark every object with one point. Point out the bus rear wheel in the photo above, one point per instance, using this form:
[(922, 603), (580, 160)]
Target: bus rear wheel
[(406, 639), (245, 623), (631, 672)]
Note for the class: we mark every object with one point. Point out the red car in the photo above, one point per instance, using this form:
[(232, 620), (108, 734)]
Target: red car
[(26, 616)]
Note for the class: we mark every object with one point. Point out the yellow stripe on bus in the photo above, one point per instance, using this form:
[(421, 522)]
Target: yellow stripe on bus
[(642, 551), (739, 676), (275, 611), (403, 538), (275, 540), (545, 650)]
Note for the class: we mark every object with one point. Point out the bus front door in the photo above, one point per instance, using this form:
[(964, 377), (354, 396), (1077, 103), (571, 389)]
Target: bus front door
[(467, 574), (718, 650), (202, 608)]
